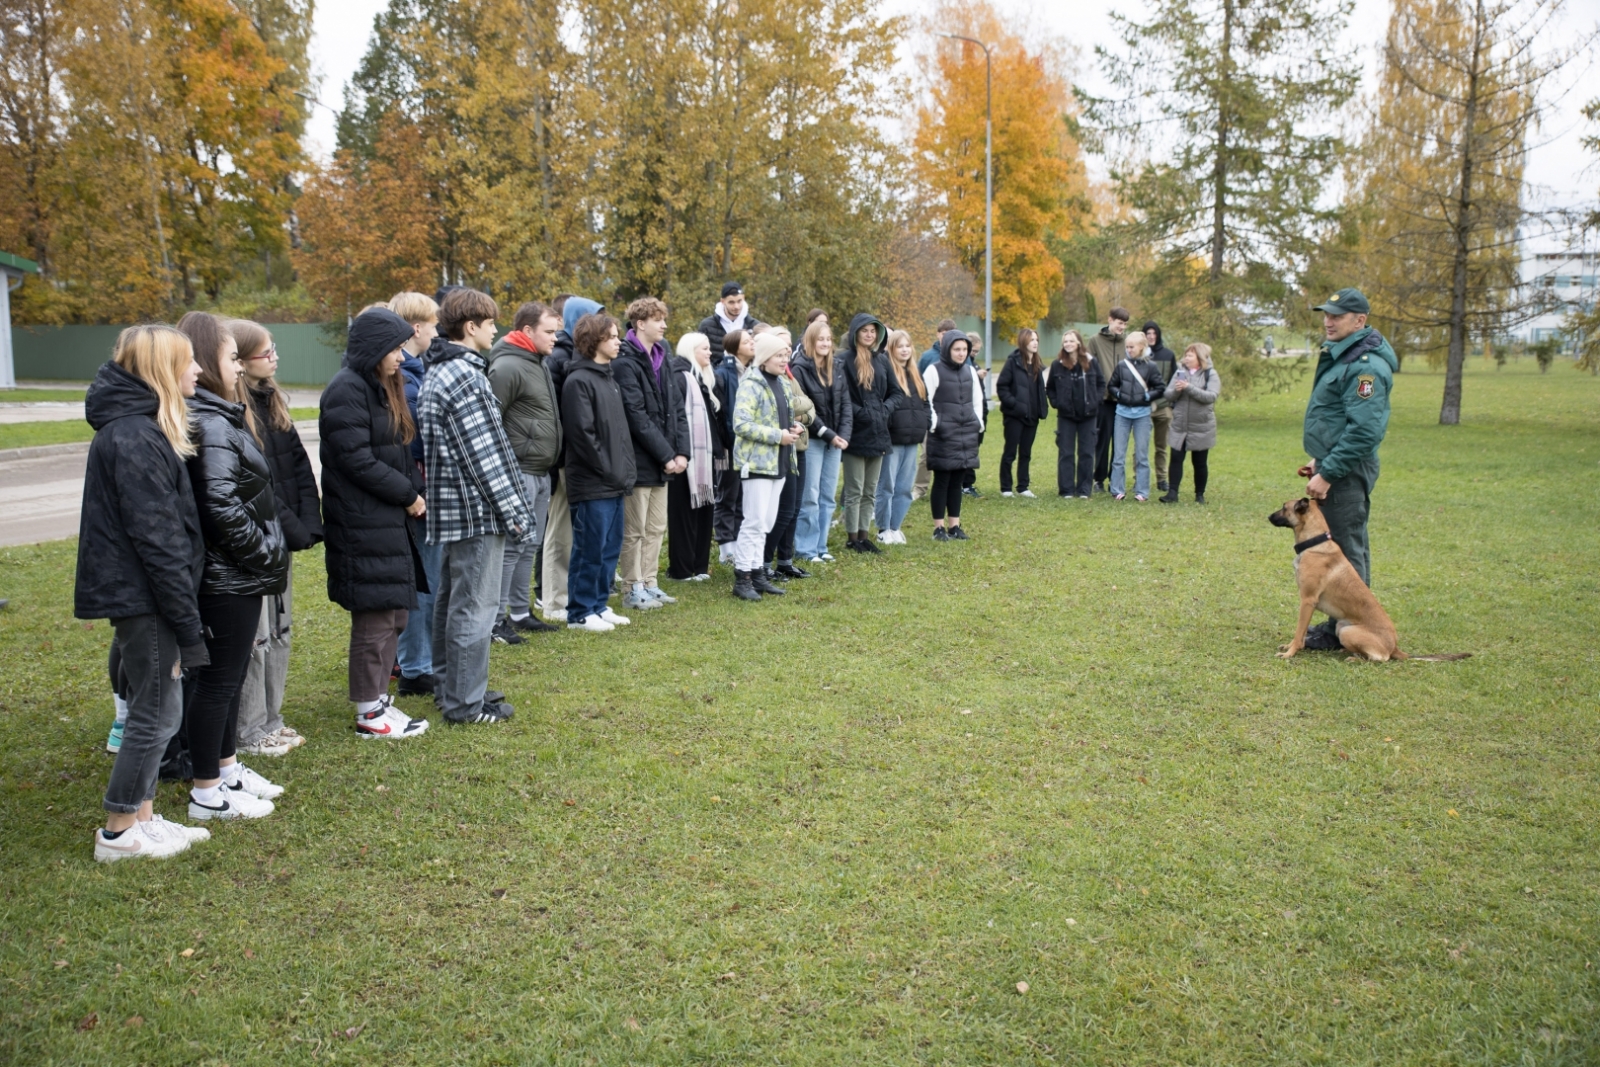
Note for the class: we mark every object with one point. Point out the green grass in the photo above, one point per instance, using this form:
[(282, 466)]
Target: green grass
[(841, 827), (69, 431), (39, 396)]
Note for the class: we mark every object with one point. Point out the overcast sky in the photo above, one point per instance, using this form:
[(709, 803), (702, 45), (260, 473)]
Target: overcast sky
[(1561, 173)]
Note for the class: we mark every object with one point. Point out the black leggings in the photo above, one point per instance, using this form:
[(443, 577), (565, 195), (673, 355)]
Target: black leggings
[(211, 693), (1202, 470), (946, 493), (1019, 446)]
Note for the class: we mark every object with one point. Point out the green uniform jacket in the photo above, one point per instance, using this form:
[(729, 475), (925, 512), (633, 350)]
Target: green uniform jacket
[(1348, 412), (530, 408)]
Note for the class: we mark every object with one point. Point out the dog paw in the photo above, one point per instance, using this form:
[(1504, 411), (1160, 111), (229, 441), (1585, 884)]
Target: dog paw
[(1283, 648)]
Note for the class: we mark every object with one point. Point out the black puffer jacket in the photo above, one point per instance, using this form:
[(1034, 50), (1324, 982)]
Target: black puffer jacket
[(245, 551), (1076, 394), (299, 506), (140, 549), (655, 412), (869, 410), (1136, 383), (1021, 394), (832, 401), (953, 442), (368, 478), (679, 366), (599, 446), (909, 417)]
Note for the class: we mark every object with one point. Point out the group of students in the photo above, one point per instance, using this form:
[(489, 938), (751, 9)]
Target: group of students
[(462, 474)]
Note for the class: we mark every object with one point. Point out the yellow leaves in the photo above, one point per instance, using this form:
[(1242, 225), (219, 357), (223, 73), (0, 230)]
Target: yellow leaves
[(1022, 987)]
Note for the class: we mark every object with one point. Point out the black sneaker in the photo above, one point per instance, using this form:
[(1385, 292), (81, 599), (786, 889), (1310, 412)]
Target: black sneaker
[(1324, 638), (868, 548), (421, 685), (504, 633), (959, 534), (532, 624), (939, 534), (971, 491), (177, 769), (489, 714), (789, 570)]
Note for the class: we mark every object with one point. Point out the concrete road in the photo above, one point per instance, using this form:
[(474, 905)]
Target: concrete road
[(41, 489)]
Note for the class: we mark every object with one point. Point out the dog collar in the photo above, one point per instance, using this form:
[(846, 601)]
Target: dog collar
[(1311, 542)]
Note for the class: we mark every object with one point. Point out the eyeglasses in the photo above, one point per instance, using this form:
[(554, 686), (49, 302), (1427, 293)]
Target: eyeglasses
[(270, 353)]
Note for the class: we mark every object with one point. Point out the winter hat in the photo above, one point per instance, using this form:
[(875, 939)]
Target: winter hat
[(768, 345)]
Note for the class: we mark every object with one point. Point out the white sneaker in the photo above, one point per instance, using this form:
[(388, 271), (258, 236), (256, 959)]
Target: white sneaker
[(1028, 493), (266, 745), (886, 537), (386, 720), (189, 833), (231, 804), (660, 594), (593, 624), (555, 614), (640, 601), (254, 784), (701, 578), (137, 843), (613, 618), (287, 735), (1008, 493)]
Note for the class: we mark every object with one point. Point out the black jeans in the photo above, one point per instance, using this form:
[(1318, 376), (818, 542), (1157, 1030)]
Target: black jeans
[(780, 542), (211, 693), (1019, 446), (728, 513), (945, 496), (688, 530), (1202, 470), (1075, 445), (1102, 448)]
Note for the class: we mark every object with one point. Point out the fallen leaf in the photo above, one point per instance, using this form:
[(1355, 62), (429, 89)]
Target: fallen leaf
[(497, 893), (1072, 922), (1022, 987), (1452, 813), (90, 1021), (61, 963), (1144, 780), (354, 1032), (1388, 739), (966, 711), (134, 1021), (716, 800), (1343, 754), (186, 953), (249, 954), (570, 803), (381, 789), (728, 977), (633, 1024), (694, 674)]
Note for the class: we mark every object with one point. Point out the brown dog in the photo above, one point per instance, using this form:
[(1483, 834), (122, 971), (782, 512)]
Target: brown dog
[(1328, 583)]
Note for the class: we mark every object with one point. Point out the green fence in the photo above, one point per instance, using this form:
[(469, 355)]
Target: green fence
[(1049, 337), (306, 356)]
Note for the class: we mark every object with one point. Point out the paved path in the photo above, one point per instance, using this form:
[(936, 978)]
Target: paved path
[(41, 489)]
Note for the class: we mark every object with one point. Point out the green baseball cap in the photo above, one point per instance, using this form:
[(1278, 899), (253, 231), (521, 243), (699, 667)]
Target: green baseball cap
[(1345, 301)]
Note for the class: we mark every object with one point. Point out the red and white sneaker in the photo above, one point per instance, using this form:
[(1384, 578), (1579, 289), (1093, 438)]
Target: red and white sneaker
[(386, 720)]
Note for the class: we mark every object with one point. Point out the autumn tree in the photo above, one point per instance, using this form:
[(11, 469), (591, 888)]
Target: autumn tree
[(1222, 135), (1583, 323), (1040, 190), (1440, 186)]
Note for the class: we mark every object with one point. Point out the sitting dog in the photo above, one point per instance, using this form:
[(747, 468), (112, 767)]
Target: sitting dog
[(1328, 583)]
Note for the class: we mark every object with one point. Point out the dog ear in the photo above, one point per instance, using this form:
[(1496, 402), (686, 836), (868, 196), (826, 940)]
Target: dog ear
[(1301, 505)]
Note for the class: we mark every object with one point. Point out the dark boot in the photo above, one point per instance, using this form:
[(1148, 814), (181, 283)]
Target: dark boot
[(864, 544), (1170, 497), (763, 587), (743, 588)]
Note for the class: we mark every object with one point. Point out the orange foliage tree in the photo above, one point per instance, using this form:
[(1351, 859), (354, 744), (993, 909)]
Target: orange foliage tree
[(1040, 189)]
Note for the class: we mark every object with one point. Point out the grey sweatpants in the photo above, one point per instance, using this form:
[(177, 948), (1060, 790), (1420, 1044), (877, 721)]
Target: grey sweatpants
[(463, 618), (516, 572), (261, 699)]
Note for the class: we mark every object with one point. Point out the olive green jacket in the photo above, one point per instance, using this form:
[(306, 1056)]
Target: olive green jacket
[(1348, 412)]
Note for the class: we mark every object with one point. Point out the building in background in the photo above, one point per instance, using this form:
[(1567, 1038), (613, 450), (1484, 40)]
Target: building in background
[(1567, 276)]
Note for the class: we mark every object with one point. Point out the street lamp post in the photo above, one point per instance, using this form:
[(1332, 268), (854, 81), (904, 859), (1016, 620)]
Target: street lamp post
[(988, 196)]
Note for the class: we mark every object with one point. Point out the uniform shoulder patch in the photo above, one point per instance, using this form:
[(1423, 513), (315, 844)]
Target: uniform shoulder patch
[(1364, 386)]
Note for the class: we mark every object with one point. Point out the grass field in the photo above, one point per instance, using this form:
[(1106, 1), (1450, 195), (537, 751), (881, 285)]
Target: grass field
[(841, 828), (71, 431)]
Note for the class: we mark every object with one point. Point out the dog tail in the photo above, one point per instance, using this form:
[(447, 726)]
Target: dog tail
[(1437, 657)]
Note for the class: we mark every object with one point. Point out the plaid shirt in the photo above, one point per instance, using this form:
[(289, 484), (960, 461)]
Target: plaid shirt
[(474, 487)]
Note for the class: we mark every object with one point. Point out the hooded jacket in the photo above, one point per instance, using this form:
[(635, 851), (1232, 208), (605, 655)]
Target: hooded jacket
[(562, 357), (1076, 393), (1348, 413), (954, 394), (834, 415), (368, 478), (715, 332), (654, 403), (293, 483), (764, 411), (530, 407), (245, 552), (1022, 395), (140, 549), (1107, 351), (594, 423), (869, 405), (1165, 362)]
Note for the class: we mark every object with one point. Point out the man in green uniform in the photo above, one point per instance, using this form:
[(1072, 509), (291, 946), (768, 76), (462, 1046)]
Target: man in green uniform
[(1346, 418)]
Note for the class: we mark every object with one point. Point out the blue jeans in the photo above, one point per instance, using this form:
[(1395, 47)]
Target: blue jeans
[(596, 547), (416, 640), (1141, 456), (818, 492), (894, 486)]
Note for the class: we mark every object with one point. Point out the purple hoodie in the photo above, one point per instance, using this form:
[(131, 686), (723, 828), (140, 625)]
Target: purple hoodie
[(658, 353)]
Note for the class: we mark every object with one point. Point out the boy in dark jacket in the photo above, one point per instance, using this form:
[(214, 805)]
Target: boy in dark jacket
[(599, 473), (1161, 411), (729, 315), (558, 526)]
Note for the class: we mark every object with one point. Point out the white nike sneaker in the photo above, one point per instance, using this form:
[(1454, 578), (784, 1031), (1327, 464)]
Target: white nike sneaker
[(254, 784), (1028, 493), (555, 614), (386, 720), (593, 624), (191, 833), (231, 804), (613, 618), (135, 843)]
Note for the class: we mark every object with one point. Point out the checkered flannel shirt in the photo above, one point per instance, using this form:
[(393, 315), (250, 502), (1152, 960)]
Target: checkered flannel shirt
[(474, 486)]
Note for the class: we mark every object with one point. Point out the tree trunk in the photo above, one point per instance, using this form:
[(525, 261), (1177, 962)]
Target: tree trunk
[(1219, 170), (1456, 356)]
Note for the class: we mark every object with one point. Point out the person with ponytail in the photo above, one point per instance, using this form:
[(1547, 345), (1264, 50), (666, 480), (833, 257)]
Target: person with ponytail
[(141, 556), (1022, 405), (908, 428), (371, 486), (866, 372), (262, 731), (246, 560)]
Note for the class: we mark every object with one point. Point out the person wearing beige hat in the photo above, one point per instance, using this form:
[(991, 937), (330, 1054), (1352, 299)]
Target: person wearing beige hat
[(765, 433)]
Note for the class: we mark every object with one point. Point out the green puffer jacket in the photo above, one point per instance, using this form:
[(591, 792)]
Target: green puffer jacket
[(530, 408), (1348, 412), (756, 431)]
